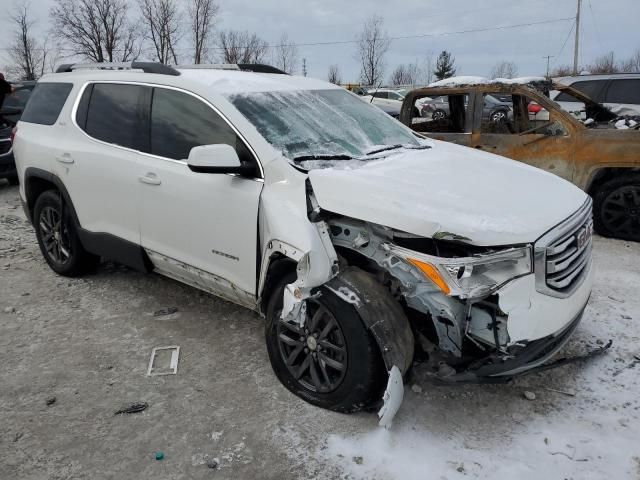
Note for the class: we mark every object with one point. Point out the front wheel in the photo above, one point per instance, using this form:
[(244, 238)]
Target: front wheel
[(57, 237), (438, 115), (617, 208), (331, 361)]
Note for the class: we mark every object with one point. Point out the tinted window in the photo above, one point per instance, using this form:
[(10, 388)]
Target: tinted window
[(46, 102), (115, 116), (624, 91), (591, 88), (17, 99), (180, 122)]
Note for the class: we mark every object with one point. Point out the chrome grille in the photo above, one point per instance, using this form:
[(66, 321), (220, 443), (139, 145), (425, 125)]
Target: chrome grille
[(567, 258), (563, 255)]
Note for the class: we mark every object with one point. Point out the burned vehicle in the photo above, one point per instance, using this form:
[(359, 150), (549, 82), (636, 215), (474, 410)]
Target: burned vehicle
[(600, 154), (359, 241)]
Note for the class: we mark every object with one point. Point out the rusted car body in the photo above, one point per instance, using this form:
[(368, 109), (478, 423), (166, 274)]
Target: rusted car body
[(592, 154)]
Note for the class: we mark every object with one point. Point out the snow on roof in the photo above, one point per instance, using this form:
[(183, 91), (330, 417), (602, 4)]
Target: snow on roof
[(471, 80), (233, 81)]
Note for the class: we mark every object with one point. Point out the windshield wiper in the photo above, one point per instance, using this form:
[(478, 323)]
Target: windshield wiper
[(302, 158), (395, 147)]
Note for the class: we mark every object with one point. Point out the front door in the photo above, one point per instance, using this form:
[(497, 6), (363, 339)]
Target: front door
[(527, 132), (196, 227)]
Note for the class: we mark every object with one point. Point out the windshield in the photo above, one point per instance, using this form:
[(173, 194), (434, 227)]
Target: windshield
[(321, 123)]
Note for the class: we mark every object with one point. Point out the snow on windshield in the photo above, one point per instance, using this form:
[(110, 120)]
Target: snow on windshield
[(320, 123)]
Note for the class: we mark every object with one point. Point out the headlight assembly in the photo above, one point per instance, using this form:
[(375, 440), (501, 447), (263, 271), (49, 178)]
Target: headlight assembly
[(470, 277)]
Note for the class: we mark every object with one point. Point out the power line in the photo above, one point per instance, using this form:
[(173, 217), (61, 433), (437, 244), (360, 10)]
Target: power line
[(406, 37)]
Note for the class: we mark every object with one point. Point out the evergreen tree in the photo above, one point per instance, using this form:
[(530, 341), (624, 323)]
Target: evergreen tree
[(445, 66)]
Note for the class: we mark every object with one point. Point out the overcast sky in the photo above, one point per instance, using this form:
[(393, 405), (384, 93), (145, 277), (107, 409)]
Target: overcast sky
[(606, 25)]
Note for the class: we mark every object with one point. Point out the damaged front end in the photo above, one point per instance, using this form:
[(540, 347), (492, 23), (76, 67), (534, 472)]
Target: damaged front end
[(474, 313), (481, 314)]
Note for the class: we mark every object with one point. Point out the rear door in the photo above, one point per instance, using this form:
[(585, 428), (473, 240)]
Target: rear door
[(196, 227), (97, 162), (540, 138)]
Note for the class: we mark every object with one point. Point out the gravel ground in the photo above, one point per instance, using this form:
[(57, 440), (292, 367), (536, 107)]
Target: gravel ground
[(86, 343)]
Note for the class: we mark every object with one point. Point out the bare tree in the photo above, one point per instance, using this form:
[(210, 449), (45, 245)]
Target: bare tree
[(162, 21), (241, 47), (504, 69), (632, 64), (373, 44), (334, 75), (202, 14), (604, 64), (97, 30), (561, 71), (285, 55), (405, 74), (28, 56)]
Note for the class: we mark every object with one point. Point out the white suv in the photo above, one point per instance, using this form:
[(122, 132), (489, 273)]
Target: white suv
[(356, 238)]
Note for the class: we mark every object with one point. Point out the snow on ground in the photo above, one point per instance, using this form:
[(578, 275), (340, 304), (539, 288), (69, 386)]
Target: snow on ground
[(492, 431)]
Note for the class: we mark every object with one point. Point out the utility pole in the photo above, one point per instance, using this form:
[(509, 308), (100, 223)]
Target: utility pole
[(548, 57), (304, 67), (577, 46)]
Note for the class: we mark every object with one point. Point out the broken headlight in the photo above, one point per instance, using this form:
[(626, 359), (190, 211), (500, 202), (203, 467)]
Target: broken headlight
[(470, 277)]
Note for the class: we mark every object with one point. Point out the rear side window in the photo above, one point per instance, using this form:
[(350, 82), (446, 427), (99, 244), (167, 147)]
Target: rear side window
[(591, 88), (115, 114), (180, 122), (46, 102), (624, 91)]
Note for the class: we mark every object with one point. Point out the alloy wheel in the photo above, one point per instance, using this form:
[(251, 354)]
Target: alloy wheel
[(621, 212), (316, 353), (55, 236)]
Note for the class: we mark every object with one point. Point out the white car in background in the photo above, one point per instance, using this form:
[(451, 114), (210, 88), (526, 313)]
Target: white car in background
[(619, 92), (355, 238), (390, 101)]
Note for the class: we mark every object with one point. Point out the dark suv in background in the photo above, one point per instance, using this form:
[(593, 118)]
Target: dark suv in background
[(9, 115)]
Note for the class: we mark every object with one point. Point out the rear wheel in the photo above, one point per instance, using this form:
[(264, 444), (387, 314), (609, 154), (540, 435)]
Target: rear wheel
[(331, 361), (617, 208), (57, 237), (498, 116)]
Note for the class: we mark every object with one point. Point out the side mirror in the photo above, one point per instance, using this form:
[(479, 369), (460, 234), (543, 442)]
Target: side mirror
[(219, 158)]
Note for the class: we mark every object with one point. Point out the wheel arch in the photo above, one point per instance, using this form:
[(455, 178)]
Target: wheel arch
[(37, 181), (603, 175)]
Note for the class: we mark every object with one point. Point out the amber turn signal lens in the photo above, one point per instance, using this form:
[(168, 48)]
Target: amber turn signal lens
[(432, 274)]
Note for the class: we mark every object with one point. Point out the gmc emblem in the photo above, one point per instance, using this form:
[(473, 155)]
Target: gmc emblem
[(583, 236)]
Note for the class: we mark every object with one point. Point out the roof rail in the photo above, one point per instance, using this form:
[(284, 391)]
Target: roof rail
[(245, 67), (147, 67)]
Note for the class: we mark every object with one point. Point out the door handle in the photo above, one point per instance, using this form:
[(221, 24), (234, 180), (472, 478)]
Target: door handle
[(150, 179), (65, 158)]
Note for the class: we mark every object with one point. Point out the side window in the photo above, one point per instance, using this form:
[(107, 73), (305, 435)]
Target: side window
[(115, 114), (46, 102), (591, 88), (17, 99), (518, 115), (440, 114), (180, 122), (499, 114), (624, 91), (384, 95)]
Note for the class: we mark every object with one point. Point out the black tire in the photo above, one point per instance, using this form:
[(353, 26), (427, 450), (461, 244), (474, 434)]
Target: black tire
[(57, 237), (616, 208), (364, 378), (13, 181)]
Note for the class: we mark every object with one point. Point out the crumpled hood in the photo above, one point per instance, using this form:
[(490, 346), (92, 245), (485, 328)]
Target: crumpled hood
[(449, 189)]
